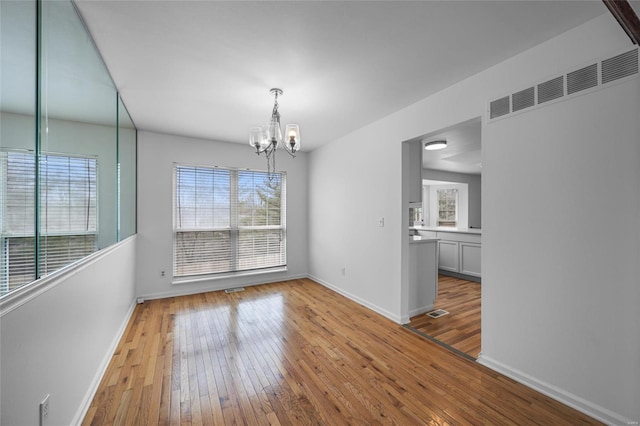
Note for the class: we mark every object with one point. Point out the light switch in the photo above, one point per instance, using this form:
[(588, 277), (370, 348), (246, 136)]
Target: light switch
[(381, 222)]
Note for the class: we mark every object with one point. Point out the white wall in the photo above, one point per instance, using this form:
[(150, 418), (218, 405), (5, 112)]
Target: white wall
[(354, 182), (562, 239), (358, 178), (60, 342), (157, 154)]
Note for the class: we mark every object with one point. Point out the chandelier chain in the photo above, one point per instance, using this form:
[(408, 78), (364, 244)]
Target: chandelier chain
[(275, 113)]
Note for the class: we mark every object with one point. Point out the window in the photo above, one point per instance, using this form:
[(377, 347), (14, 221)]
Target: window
[(67, 219), (447, 207), (228, 220)]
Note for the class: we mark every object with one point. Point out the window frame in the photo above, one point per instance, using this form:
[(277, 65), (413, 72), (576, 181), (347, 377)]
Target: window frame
[(234, 228), (448, 223)]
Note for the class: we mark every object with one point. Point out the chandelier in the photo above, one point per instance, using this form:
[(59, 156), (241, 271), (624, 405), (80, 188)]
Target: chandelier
[(265, 139)]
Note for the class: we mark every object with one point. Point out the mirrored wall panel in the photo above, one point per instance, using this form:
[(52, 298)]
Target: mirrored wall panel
[(17, 143), (127, 172), (64, 178)]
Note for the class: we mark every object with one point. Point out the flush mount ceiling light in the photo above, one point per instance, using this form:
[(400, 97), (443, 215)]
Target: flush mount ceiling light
[(265, 139), (433, 145)]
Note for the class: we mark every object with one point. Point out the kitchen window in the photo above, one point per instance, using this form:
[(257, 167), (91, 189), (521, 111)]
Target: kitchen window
[(447, 207), (228, 221)]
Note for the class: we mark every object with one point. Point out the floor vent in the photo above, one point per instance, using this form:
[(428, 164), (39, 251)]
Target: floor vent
[(437, 313), (234, 290), (578, 80)]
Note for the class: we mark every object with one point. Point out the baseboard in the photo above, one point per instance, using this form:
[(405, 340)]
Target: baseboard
[(353, 297), (597, 412), (418, 311), (93, 387), (217, 286), (460, 276)]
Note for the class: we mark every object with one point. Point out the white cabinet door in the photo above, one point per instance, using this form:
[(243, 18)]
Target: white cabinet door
[(448, 259), (470, 259)]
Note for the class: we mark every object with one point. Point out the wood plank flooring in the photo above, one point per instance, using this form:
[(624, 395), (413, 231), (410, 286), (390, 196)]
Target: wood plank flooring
[(295, 353), (459, 329)]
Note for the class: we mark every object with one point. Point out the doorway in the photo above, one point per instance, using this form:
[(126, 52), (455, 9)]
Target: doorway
[(451, 211)]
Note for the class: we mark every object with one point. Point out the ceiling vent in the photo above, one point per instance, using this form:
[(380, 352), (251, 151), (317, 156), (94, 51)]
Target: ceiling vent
[(575, 82), (620, 66), (523, 99), (499, 107), (582, 79), (550, 90)]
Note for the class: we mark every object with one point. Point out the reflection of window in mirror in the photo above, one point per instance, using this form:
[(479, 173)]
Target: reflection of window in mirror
[(415, 216), (68, 214), (447, 207)]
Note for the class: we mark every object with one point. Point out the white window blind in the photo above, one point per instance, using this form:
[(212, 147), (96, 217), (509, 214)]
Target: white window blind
[(67, 214), (447, 207), (228, 220)]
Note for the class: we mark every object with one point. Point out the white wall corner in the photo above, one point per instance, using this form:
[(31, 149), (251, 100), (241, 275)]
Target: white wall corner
[(418, 311)]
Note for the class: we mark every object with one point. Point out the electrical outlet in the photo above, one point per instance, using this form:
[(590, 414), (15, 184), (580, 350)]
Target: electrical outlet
[(381, 222), (44, 411), (162, 273)]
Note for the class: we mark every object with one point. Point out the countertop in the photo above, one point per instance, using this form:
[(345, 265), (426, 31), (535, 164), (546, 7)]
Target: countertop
[(414, 239), (448, 229)]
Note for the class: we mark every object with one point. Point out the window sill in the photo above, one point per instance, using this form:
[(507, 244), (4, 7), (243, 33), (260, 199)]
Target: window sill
[(201, 278)]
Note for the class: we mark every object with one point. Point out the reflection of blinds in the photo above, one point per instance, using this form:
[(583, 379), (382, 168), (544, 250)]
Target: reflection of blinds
[(68, 214), (67, 195), (18, 262), (59, 251), (17, 243), (228, 220), (18, 192)]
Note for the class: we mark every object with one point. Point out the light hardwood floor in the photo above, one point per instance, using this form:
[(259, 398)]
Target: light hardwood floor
[(297, 353), (459, 329)]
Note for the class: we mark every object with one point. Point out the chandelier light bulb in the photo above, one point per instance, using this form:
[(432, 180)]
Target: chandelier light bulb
[(293, 138)]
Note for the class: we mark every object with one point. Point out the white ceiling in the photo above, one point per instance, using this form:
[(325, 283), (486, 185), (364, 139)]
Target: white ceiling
[(204, 68), (463, 153)]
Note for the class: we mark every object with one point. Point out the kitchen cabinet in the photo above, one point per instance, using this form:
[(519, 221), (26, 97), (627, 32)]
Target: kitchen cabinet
[(448, 260), (459, 252), (423, 275), (415, 172), (469, 254)]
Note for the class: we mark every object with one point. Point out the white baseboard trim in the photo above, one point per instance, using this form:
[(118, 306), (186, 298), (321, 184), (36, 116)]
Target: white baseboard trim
[(102, 369), (418, 311), (375, 308), (589, 408), (216, 286)]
